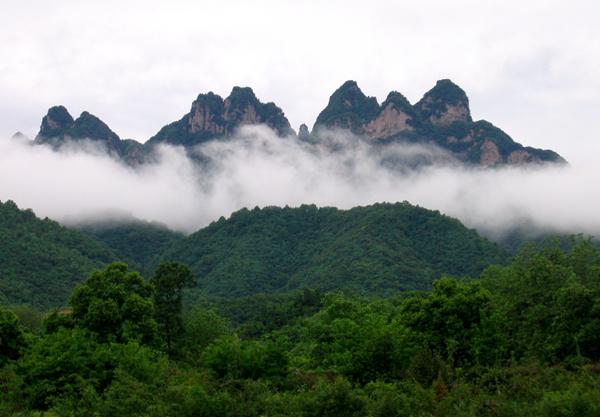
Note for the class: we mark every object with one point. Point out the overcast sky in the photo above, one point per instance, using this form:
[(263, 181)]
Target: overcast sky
[(530, 67)]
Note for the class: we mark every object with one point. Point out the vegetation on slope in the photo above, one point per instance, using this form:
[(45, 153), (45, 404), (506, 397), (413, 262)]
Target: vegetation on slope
[(522, 340), (135, 242), (377, 249), (40, 260)]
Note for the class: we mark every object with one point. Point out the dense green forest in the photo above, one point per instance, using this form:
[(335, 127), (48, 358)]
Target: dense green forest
[(521, 339), (133, 241), (40, 260), (378, 249)]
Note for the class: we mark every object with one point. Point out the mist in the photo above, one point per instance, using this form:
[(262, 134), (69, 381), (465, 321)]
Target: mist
[(81, 182)]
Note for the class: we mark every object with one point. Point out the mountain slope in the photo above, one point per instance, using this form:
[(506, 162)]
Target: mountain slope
[(376, 249), (135, 242), (40, 260)]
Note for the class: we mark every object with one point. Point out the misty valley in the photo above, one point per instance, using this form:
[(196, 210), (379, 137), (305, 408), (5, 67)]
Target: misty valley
[(396, 259)]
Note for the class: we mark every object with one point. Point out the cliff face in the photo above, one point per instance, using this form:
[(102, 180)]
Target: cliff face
[(441, 117), (211, 117)]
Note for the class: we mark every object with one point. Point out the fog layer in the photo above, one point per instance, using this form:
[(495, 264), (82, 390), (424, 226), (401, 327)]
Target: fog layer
[(258, 168)]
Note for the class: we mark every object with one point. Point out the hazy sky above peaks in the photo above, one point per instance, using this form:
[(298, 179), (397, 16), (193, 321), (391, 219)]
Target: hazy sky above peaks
[(531, 68)]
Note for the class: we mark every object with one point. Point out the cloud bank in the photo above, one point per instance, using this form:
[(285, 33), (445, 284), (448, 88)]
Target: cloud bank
[(257, 168)]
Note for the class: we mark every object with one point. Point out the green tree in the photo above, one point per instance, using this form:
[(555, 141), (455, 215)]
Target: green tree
[(64, 364), (169, 281), (12, 337), (201, 327), (452, 321), (115, 304)]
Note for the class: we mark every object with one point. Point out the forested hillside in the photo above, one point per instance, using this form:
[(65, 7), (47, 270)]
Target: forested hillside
[(377, 249), (523, 340), (40, 260), (134, 241)]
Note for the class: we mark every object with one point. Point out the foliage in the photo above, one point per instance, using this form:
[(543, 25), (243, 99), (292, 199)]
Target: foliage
[(521, 340), (41, 261), (455, 320), (169, 281), (550, 300), (12, 337), (115, 304), (135, 242), (378, 249)]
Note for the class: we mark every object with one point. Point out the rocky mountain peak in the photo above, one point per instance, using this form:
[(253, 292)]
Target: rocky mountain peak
[(88, 126), (348, 108), (444, 104), (206, 114), (303, 133), (55, 122), (20, 136), (213, 117)]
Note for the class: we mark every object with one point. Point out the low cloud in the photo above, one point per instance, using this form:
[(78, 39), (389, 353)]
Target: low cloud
[(257, 168)]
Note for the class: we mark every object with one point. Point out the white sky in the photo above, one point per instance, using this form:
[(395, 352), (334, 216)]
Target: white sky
[(530, 67)]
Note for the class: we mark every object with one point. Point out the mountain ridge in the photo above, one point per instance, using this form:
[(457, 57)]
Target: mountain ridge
[(442, 117), (273, 249)]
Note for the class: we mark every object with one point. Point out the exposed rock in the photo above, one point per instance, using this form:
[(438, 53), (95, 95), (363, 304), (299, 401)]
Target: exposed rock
[(206, 115), (441, 118), (521, 157), (444, 104), (55, 123), (489, 154), (211, 117), (389, 122)]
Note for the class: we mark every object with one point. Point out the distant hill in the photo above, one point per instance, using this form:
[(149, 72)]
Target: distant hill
[(40, 260), (442, 118), (134, 241), (377, 249)]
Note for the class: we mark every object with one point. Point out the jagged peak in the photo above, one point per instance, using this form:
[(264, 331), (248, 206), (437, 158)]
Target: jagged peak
[(447, 91), (303, 132), (56, 121), (90, 126), (20, 136), (444, 104), (398, 100), (210, 94), (348, 107), (242, 96), (88, 119), (209, 97), (60, 113), (349, 85), (349, 88)]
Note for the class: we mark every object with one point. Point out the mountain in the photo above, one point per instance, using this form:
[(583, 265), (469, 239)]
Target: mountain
[(442, 117), (378, 249), (58, 127), (212, 117), (40, 260)]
